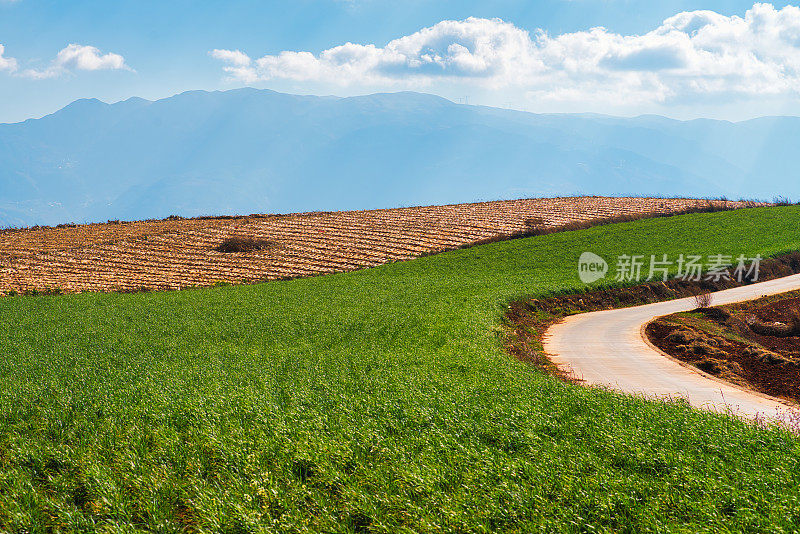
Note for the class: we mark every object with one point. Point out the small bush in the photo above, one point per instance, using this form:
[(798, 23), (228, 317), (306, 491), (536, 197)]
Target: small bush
[(244, 244), (534, 222), (703, 300)]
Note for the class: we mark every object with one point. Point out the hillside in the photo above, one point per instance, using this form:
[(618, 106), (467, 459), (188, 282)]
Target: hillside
[(372, 401), (177, 253), (257, 151)]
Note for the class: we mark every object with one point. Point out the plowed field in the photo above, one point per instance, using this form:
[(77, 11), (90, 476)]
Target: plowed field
[(174, 254)]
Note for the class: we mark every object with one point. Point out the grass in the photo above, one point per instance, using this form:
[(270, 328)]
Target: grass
[(372, 401), (701, 322)]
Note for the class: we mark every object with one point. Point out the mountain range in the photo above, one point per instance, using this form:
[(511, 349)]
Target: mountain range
[(257, 151)]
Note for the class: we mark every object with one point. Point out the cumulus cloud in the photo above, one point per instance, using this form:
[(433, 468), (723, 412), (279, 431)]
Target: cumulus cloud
[(88, 58), (473, 48), (238, 64), (7, 63), (74, 57), (692, 54)]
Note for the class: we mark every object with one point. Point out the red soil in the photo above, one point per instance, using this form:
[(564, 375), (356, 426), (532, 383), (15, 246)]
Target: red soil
[(724, 342)]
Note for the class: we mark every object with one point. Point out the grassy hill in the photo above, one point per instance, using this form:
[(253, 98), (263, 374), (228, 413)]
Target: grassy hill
[(377, 400)]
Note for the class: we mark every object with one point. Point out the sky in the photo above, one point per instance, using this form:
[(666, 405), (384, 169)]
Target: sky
[(680, 58)]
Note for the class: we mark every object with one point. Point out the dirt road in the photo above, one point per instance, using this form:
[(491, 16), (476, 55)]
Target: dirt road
[(608, 348)]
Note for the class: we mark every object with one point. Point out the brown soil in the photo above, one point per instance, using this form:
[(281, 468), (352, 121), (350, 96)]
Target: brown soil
[(176, 253), (526, 320), (754, 344)]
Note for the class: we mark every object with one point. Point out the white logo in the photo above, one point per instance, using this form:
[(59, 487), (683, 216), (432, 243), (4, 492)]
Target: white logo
[(591, 267)]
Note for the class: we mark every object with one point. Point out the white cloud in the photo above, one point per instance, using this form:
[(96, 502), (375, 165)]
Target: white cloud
[(238, 64), (697, 54), (235, 57), (88, 58), (72, 58), (473, 48), (7, 63)]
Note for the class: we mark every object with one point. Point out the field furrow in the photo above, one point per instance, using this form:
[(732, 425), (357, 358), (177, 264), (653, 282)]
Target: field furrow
[(177, 253)]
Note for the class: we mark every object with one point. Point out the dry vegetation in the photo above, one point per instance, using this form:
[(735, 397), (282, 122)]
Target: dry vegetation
[(703, 300), (177, 253)]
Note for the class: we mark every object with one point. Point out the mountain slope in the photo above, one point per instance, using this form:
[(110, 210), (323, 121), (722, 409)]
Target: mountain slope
[(248, 150)]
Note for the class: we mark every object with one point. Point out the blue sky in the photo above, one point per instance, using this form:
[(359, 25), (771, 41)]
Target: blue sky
[(729, 65)]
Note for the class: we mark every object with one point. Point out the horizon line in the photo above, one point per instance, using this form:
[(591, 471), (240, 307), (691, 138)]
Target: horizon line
[(379, 93)]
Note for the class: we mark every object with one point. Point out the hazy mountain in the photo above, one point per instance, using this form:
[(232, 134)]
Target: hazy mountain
[(248, 151)]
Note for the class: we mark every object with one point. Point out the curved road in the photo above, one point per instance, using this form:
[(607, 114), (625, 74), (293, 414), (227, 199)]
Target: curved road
[(608, 348)]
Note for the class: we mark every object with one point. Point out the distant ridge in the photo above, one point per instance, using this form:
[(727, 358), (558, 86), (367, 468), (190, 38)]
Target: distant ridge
[(256, 151)]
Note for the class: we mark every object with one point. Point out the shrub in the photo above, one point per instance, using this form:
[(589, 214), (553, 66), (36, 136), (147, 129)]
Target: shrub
[(534, 222), (703, 300), (244, 244)]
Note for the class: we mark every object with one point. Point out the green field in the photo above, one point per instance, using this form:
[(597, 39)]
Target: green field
[(372, 401)]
